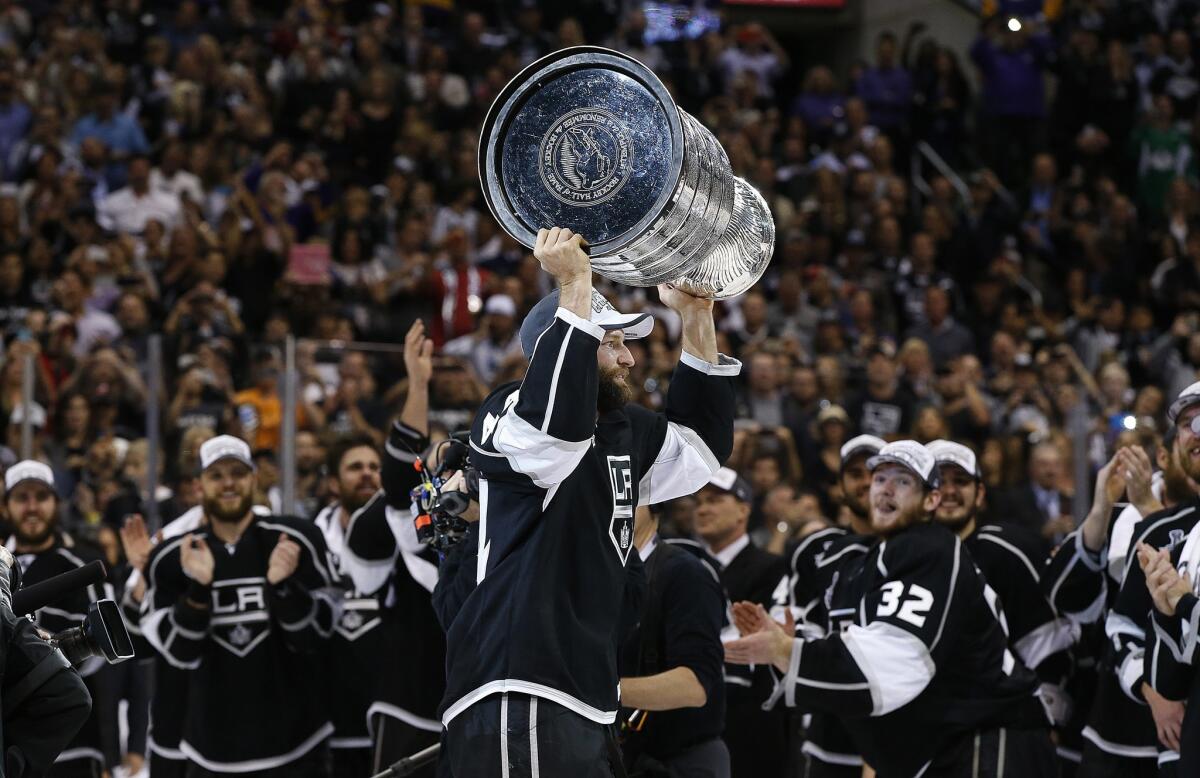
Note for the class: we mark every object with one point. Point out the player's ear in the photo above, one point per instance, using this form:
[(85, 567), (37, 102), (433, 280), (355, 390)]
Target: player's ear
[(980, 493), (933, 498)]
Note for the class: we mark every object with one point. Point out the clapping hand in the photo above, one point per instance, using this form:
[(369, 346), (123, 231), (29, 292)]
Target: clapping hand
[(285, 558), (196, 559), (1167, 587), (763, 641)]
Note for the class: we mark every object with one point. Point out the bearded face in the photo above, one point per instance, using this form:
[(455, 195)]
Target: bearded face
[(614, 390), (961, 495), (358, 477), (228, 487), (33, 510)]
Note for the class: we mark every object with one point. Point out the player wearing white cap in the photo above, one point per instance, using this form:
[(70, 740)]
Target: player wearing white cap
[(922, 678), (242, 603), (43, 551)]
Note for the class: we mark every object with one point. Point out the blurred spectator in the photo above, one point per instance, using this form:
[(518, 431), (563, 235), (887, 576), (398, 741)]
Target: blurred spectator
[(494, 343), (887, 88), (1038, 503)]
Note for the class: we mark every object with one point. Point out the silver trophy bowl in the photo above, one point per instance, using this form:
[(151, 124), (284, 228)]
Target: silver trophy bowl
[(589, 139)]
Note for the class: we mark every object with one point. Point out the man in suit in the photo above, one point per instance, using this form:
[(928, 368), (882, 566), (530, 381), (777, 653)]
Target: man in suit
[(757, 739), (1038, 504)]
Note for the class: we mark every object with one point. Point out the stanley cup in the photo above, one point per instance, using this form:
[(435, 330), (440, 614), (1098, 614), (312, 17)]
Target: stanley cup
[(589, 139)]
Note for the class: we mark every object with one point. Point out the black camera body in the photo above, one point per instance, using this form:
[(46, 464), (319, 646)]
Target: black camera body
[(439, 521), (103, 634)]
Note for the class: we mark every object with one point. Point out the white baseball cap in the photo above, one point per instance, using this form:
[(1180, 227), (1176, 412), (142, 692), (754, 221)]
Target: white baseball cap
[(1186, 399), (863, 444), (947, 452), (910, 454), (221, 447), (500, 305), (28, 470)]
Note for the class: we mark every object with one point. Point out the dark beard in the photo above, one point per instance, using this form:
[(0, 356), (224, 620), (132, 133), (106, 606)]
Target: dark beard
[(352, 502), (955, 526), (212, 509), (612, 394), (34, 540)]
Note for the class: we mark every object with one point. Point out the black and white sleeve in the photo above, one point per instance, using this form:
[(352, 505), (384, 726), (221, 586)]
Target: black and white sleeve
[(545, 428), (1075, 581), (698, 434), (171, 622), (884, 661)]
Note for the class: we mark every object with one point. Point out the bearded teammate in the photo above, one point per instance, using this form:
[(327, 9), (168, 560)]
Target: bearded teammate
[(922, 677), (43, 551), (563, 461), (1130, 729), (1009, 560), (828, 749), (389, 622), (168, 700), (242, 604)]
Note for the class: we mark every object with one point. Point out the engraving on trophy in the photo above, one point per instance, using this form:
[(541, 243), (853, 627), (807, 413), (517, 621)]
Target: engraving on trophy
[(585, 157)]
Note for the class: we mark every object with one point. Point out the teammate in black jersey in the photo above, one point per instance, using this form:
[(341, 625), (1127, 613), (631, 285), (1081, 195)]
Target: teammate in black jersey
[(243, 603), (563, 461), (1173, 580), (44, 551), (1010, 559), (390, 624), (828, 749), (923, 677)]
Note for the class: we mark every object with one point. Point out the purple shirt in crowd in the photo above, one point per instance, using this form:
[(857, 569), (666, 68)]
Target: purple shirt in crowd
[(1012, 78), (888, 95)]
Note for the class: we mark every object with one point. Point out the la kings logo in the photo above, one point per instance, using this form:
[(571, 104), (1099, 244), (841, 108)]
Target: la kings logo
[(359, 616), (620, 528), (240, 620)]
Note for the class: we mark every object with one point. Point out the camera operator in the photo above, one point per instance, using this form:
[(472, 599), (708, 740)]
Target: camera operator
[(671, 667), (42, 551), (45, 701), (531, 655), (242, 603), (395, 573)]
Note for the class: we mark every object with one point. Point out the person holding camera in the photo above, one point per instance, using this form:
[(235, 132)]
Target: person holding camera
[(241, 603), (43, 551), (45, 701), (563, 460), (388, 622)]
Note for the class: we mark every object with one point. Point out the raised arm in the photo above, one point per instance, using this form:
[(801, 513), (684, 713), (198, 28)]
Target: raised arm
[(698, 434), (544, 432)]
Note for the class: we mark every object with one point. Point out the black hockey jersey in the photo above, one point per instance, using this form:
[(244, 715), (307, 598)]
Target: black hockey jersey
[(1128, 622), (557, 492), (67, 613), (251, 656), (1174, 653), (389, 622), (1010, 559), (813, 570), (925, 660), (1077, 582)]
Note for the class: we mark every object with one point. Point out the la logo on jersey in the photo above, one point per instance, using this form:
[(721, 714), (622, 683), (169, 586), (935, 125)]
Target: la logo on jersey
[(240, 619), (620, 528)]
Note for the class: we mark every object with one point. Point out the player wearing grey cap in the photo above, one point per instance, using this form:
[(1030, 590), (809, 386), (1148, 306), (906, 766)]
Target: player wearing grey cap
[(922, 677), (241, 604), (43, 551)]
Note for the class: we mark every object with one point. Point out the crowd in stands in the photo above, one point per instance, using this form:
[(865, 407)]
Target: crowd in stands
[(227, 174)]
